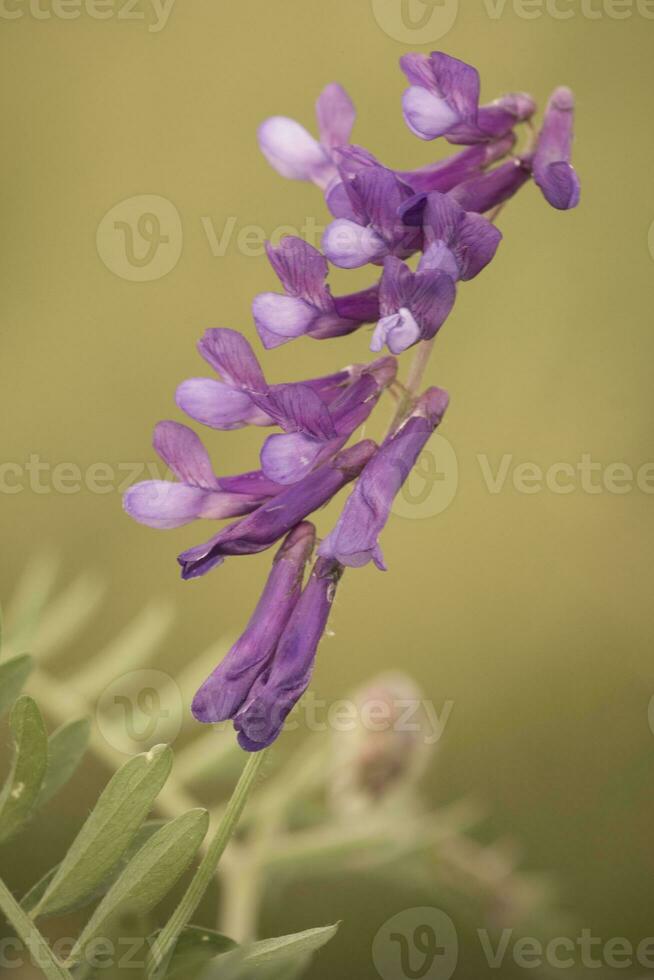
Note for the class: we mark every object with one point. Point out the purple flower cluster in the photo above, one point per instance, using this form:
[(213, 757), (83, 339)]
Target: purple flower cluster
[(381, 217)]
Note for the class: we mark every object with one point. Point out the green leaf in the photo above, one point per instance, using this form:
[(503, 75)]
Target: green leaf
[(66, 748), (283, 958), (107, 832), (195, 948), (150, 875), (32, 898), (13, 675), (22, 788)]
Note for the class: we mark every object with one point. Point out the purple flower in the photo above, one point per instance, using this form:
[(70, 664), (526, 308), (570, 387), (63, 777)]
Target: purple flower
[(354, 541), (374, 230), (443, 100), (225, 690), (294, 153), (553, 171), (494, 187), (287, 457), (199, 492), (458, 242), (413, 305), (307, 307), (278, 689), (243, 397), (266, 525)]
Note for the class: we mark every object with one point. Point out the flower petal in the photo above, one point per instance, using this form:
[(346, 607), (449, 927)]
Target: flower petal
[(353, 541), (279, 319), (336, 115), (272, 520), (553, 172), (230, 354), (182, 450), (292, 151), (217, 405), (225, 690), (165, 505), (349, 245)]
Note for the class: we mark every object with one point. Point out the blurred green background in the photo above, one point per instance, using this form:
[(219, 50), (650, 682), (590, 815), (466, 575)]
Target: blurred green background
[(532, 612)]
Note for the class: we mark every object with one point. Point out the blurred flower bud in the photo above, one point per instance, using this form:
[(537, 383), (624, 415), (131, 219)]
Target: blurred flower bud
[(381, 758)]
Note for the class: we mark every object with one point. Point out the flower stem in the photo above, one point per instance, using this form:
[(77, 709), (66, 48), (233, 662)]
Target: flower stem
[(184, 912), (413, 382), (43, 956)]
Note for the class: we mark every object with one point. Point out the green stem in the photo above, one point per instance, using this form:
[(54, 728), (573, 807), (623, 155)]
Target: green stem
[(42, 955), (414, 379), (203, 877)]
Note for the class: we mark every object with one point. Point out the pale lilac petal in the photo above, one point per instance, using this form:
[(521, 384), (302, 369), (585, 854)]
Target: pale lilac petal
[(427, 115), (292, 151), (217, 405), (279, 319), (287, 458), (398, 331), (164, 505), (444, 93), (230, 354), (336, 115), (182, 450), (349, 245)]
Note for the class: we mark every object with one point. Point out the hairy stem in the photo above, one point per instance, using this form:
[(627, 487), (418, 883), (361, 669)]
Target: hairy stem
[(413, 382), (42, 955), (184, 912)]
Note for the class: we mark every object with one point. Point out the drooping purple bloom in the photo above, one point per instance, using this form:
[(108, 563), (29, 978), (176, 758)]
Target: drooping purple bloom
[(413, 305), (287, 457), (278, 689), (374, 230), (494, 187), (307, 307), (354, 540), (458, 242), (553, 171), (199, 492), (443, 100), (225, 690), (294, 153), (266, 525)]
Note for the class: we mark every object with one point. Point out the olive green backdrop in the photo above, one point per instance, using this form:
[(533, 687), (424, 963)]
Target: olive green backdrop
[(531, 611)]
